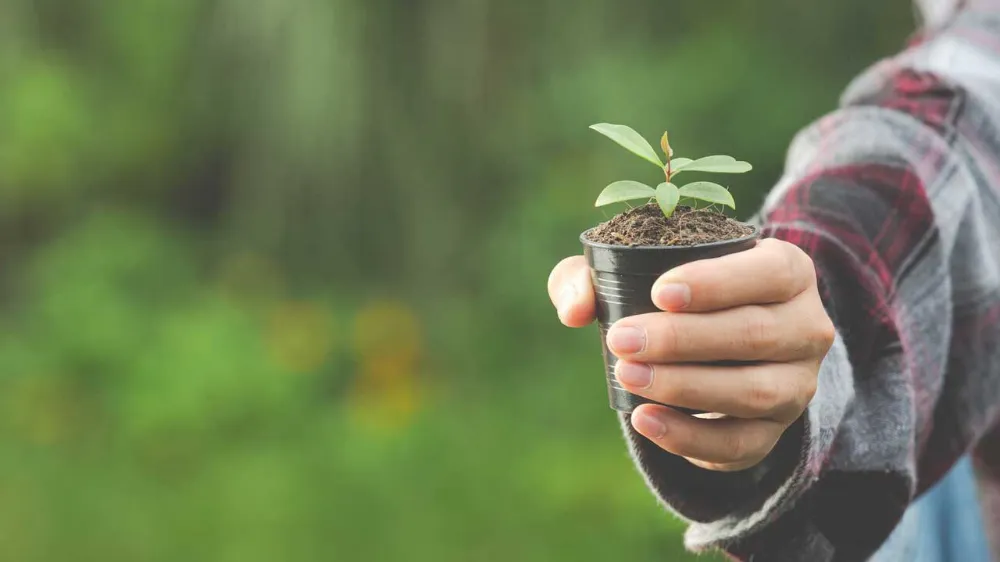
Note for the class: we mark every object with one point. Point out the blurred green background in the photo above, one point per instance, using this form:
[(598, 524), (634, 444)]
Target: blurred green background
[(273, 272)]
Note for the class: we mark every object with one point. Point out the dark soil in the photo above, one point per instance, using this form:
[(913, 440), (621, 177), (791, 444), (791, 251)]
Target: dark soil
[(647, 226)]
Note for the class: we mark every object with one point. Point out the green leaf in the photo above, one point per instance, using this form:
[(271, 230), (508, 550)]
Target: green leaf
[(630, 139), (678, 163), (667, 195), (708, 191), (623, 191), (718, 164)]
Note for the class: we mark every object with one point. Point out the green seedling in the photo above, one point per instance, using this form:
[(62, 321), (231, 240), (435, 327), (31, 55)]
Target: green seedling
[(667, 194)]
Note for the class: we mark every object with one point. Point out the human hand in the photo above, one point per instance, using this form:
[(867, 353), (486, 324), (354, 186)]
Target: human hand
[(760, 308)]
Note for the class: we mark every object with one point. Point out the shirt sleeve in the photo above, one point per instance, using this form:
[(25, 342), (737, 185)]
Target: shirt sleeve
[(894, 197)]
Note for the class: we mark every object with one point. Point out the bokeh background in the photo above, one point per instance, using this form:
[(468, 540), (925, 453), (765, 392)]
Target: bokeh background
[(272, 272)]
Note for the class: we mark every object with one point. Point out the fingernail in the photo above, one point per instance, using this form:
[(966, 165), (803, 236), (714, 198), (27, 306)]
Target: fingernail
[(626, 339), (634, 374), (673, 296), (567, 297), (648, 424)]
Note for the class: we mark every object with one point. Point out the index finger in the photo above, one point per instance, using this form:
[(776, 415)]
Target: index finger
[(774, 271)]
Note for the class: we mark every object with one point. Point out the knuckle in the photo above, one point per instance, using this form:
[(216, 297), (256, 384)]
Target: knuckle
[(798, 258), (819, 334), (798, 270), (805, 385), (668, 339), (770, 244), (787, 276), (735, 446), (763, 394), (826, 333), (672, 390), (793, 269), (810, 385), (759, 330)]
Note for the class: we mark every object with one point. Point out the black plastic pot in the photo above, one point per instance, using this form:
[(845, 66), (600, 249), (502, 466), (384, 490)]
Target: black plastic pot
[(623, 280)]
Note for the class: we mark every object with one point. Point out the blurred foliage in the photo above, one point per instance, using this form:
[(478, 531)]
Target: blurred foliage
[(273, 272)]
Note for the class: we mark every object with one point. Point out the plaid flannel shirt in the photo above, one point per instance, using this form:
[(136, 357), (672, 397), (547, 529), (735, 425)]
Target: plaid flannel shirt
[(896, 196)]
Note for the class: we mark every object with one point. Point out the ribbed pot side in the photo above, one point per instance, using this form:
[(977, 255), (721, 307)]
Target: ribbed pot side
[(623, 279)]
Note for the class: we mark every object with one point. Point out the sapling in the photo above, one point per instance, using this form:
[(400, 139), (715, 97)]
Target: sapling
[(667, 194)]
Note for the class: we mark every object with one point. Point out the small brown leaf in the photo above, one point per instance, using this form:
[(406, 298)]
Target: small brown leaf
[(665, 145)]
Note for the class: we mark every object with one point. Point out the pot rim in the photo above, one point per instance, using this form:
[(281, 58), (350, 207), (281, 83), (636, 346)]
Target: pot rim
[(587, 242)]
